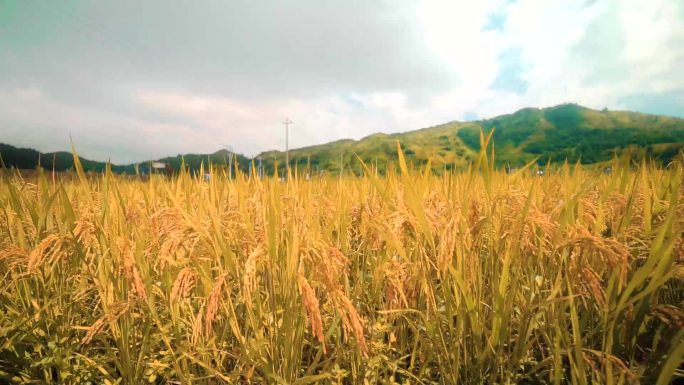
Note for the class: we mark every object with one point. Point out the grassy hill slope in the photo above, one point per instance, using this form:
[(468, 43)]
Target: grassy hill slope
[(567, 131)]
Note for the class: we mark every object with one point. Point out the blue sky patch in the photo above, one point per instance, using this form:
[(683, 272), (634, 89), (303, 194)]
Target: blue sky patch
[(470, 116), (510, 72), (665, 103), (495, 22)]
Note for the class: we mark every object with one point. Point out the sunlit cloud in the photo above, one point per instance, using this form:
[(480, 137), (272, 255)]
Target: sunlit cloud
[(142, 83)]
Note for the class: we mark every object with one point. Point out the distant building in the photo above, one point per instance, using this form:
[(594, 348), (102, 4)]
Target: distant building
[(160, 168)]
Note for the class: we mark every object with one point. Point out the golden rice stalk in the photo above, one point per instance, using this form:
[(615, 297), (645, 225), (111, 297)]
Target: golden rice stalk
[(678, 272), (447, 245), (131, 270), (84, 231), (183, 284), (350, 319), (197, 327), (609, 359), (395, 293), (614, 253), (174, 233), (50, 246), (330, 263), (132, 213), (670, 315), (547, 225), (474, 216), (312, 307), (94, 330), (83, 293), (116, 311), (213, 303), (592, 281), (437, 212), (249, 278), (399, 223), (13, 251)]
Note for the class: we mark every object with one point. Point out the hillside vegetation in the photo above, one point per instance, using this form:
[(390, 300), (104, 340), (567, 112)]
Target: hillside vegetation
[(558, 133), (553, 134), (26, 158)]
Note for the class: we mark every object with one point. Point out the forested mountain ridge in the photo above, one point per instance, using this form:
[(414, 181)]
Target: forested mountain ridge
[(567, 131)]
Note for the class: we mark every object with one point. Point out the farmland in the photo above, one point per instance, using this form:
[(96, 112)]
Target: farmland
[(474, 277)]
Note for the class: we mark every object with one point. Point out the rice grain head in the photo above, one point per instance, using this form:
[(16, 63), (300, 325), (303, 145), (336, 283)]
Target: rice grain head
[(131, 270), (183, 284), (46, 249), (197, 327), (249, 277), (213, 303), (116, 310), (350, 319), (312, 307)]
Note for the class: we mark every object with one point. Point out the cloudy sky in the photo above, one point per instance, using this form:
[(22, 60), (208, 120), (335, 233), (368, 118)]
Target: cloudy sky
[(133, 80)]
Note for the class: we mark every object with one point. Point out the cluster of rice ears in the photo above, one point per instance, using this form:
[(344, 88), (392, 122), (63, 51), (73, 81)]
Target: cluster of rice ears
[(477, 277)]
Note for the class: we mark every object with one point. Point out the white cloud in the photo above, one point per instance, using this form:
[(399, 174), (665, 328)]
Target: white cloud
[(633, 52), (256, 126), (398, 66), (37, 120)]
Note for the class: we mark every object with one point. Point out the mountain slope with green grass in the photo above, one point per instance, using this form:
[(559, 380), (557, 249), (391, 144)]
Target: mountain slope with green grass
[(568, 131), (577, 133)]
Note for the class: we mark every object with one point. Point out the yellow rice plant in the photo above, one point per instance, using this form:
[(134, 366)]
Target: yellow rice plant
[(470, 277)]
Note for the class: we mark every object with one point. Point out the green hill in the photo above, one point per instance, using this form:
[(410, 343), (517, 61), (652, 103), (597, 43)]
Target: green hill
[(26, 158), (577, 133), (568, 131), (194, 161)]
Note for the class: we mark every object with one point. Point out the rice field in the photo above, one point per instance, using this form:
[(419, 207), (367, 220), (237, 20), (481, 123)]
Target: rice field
[(475, 277)]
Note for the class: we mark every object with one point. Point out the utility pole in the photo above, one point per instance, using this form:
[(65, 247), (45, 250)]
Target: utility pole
[(230, 160), (287, 123)]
